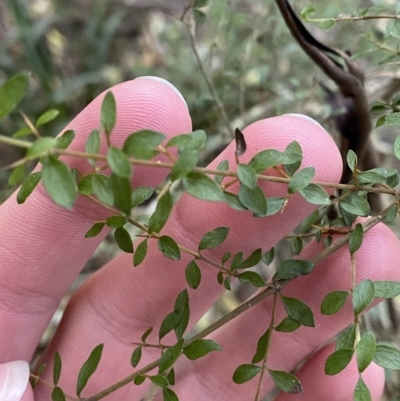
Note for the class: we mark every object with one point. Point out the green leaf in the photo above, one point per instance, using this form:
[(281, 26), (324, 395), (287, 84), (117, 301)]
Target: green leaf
[(301, 179), (298, 310), (170, 356), (293, 148), (146, 334), (119, 162), (202, 187), (268, 256), (396, 146), (17, 175), (253, 199), (140, 195), (200, 3), (122, 191), (286, 381), (85, 185), (46, 117), (274, 205), (393, 28), (179, 141), (220, 277), (346, 338), (315, 194), (12, 92), (392, 120), (356, 237), (139, 379), (355, 204), (101, 188), (199, 348), (233, 201), (182, 305), (59, 182), (140, 253), (214, 238), (93, 145), (193, 274), (365, 351), (252, 278), (386, 289), (391, 214), (160, 216), (169, 247), (187, 160), (199, 17), (352, 160), (159, 380), (225, 257), (227, 283), (297, 245), (63, 141), (236, 260), (57, 365), (57, 394), (361, 391), (251, 261), (338, 361), (326, 24), (95, 230), (136, 356), (108, 113), (88, 368), (224, 166), (198, 140), (142, 144), (123, 239), (262, 347), (169, 323), (271, 158), (309, 221), (288, 325), (40, 147), (307, 12), (388, 357), (333, 302), (244, 373), (169, 395), (363, 295), (370, 177), (24, 131), (171, 376), (116, 221), (293, 268), (247, 175)]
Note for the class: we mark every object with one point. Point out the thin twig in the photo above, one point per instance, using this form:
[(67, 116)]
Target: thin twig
[(369, 224)]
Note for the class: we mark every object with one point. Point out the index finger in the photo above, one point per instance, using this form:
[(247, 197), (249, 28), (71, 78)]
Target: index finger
[(42, 245)]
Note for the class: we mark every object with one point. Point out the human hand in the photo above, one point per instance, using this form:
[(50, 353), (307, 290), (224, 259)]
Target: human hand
[(43, 249)]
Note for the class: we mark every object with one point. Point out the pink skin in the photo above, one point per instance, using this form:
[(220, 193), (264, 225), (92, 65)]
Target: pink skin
[(43, 250)]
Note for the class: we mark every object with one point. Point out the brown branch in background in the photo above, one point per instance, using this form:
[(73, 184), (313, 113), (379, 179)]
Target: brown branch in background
[(354, 123)]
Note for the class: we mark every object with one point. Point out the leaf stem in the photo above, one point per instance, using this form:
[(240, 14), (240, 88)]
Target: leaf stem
[(268, 348)]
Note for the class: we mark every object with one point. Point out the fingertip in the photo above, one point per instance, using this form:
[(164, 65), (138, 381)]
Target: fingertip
[(319, 149)]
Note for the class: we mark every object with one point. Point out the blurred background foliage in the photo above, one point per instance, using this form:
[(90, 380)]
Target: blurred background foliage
[(75, 49)]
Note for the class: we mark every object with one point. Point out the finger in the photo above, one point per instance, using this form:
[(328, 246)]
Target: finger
[(42, 245), (319, 386), (238, 339), (119, 302)]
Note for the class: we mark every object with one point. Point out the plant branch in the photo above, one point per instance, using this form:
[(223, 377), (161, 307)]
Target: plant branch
[(278, 286)]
